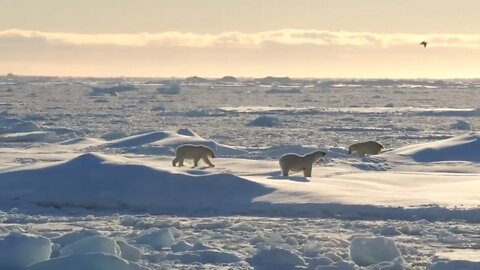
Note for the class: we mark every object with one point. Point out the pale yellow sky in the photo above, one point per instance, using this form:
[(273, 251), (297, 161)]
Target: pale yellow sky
[(212, 38)]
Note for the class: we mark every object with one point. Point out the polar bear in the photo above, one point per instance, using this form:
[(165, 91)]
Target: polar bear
[(365, 148), (195, 152), (294, 162)]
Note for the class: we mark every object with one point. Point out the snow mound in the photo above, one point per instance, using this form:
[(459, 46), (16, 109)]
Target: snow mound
[(19, 250), (93, 181), (113, 91), (173, 89), (204, 256), (365, 251), (264, 121), (319, 261), (129, 252), (165, 142), (69, 238), (95, 261), (140, 139), (156, 238), (460, 148), (276, 258), (283, 91), (82, 141), (461, 125), (181, 246), (343, 265), (187, 132), (114, 135), (455, 265), (389, 231), (91, 244), (275, 152), (35, 136), (12, 125)]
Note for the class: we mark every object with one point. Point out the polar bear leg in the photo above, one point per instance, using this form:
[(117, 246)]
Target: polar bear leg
[(307, 172), (180, 162), (195, 161), (207, 161), (285, 171), (174, 161)]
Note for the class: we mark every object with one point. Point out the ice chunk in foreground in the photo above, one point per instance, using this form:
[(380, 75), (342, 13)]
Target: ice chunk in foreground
[(181, 246), (365, 251), (129, 252), (157, 238), (19, 250), (276, 258), (69, 238), (92, 244), (95, 261)]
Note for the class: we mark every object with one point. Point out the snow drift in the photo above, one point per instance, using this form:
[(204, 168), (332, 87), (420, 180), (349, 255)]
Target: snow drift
[(460, 148), (165, 142), (95, 181)]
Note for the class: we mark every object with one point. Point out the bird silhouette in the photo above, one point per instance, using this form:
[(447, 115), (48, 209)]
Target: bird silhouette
[(424, 43)]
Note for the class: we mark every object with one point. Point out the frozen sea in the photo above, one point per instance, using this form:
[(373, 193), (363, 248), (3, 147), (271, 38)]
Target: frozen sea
[(86, 178)]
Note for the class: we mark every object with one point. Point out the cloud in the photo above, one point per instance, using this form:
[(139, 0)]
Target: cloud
[(246, 40)]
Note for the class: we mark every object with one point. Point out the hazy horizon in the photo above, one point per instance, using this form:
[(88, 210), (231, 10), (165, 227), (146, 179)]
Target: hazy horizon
[(241, 77), (301, 39)]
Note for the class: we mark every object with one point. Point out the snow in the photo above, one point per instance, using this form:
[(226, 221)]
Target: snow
[(72, 237), (129, 252), (113, 90), (320, 261), (275, 258), (455, 265), (181, 246), (264, 121), (366, 251), (461, 148), (169, 90), (165, 142), (389, 231), (18, 250), (156, 238), (95, 261), (90, 173), (91, 244), (204, 257), (461, 125), (283, 91), (12, 125), (35, 136)]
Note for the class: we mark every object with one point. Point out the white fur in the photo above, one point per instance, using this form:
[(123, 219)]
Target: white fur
[(365, 148), (294, 162), (195, 152)]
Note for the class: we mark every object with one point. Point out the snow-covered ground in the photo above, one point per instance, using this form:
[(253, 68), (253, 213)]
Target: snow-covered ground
[(86, 180)]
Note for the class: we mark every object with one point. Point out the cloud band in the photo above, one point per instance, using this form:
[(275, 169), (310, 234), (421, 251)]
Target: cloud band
[(252, 40)]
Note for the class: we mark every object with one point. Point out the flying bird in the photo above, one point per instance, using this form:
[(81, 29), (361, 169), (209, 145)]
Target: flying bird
[(424, 43)]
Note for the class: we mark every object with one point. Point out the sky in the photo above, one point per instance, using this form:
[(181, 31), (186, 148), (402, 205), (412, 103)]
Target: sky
[(243, 38)]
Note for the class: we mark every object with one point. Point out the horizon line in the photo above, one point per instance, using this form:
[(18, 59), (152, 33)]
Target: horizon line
[(237, 77)]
